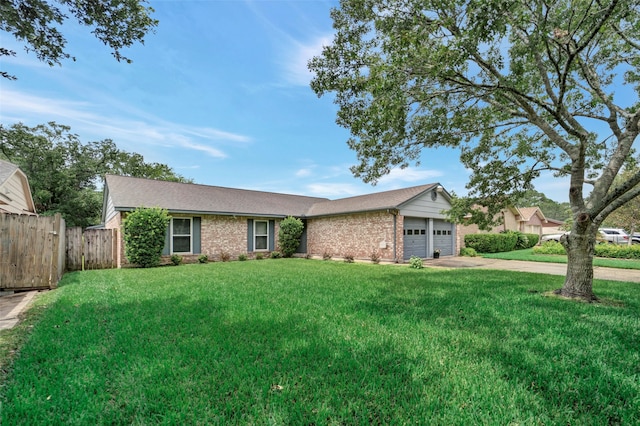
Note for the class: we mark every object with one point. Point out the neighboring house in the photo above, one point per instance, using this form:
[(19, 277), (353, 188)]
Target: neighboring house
[(15, 193), (211, 220), (529, 220), (553, 226)]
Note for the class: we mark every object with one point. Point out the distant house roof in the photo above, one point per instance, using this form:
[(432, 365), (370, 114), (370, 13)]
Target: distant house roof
[(127, 193), (527, 213), (553, 223), (19, 203)]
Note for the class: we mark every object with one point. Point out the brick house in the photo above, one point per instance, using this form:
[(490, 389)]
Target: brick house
[(15, 193), (212, 220), (529, 220)]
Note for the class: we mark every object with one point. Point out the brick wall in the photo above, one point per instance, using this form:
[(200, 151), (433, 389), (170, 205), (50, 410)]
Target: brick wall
[(357, 235)]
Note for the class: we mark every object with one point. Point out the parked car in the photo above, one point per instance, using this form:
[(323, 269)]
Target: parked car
[(552, 237), (607, 235), (614, 235)]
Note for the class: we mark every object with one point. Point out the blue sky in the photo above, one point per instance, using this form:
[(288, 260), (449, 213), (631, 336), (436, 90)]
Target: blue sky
[(220, 92)]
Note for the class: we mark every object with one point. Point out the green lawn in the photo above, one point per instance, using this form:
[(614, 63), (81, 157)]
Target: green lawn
[(294, 341), (529, 255)]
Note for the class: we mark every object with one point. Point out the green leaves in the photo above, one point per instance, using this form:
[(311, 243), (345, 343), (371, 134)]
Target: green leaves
[(64, 173), (521, 87), (144, 230), (289, 235), (117, 23)]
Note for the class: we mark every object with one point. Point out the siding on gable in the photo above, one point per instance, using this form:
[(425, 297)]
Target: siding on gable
[(110, 210), (15, 189), (424, 206)]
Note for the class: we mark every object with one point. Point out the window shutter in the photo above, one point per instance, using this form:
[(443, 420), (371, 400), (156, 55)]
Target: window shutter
[(249, 235), (272, 237), (167, 242), (197, 249)]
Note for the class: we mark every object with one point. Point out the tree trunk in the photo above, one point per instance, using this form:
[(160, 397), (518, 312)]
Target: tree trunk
[(578, 283)]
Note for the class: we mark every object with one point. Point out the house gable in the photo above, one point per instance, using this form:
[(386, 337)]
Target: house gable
[(15, 193)]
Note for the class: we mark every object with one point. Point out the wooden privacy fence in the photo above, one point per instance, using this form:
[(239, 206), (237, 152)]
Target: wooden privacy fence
[(32, 251), (91, 249)]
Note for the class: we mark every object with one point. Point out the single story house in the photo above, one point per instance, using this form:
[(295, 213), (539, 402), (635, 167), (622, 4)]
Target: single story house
[(553, 226), (529, 220), (15, 193), (213, 220)]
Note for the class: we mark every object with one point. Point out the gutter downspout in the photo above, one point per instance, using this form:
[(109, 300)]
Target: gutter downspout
[(394, 213)]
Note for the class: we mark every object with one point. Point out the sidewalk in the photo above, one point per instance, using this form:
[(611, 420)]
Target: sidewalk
[(599, 273), (12, 305)]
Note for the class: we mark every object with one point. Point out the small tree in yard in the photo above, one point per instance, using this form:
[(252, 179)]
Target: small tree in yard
[(291, 230), (144, 234)]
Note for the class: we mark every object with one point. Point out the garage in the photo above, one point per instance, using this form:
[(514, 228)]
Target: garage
[(443, 236), (415, 237), (416, 233)]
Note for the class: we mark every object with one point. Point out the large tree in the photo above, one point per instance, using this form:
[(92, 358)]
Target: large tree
[(65, 174), (36, 23), (522, 87)]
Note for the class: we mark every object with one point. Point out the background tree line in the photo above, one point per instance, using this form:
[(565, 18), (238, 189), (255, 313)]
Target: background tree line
[(66, 175)]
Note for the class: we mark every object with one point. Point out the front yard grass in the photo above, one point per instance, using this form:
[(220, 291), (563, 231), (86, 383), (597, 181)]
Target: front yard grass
[(529, 255), (295, 341)]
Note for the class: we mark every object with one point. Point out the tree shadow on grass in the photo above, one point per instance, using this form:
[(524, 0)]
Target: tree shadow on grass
[(574, 362)]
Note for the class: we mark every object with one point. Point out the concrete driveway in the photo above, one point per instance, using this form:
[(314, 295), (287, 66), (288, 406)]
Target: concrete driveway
[(600, 273), (12, 305)]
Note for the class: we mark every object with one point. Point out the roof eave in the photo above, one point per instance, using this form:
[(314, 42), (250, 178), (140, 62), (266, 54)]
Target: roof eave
[(212, 213)]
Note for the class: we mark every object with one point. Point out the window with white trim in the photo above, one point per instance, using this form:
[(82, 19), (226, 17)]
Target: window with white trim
[(261, 235), (181, 235)]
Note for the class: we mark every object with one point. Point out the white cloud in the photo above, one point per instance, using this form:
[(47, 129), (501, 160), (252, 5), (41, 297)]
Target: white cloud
[(86, 119), (297, 57), (409, 174), (304, 173), (333, 190)]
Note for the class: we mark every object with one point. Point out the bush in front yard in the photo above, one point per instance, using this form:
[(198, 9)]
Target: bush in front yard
[(144, 232), (491, 243), (468, 251), (618, 251), (524, 241), (549, 247), (289, 235)]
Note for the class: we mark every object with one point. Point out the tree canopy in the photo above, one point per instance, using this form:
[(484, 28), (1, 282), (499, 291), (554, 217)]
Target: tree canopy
[(65, 174), (36, 23), (551, 209), (521, 87)]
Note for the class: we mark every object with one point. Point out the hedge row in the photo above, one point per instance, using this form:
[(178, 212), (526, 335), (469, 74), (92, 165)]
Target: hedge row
[(601, 250), (497, 243)]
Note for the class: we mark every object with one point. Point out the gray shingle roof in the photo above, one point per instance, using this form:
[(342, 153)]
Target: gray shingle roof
[(127, 193), (370, 202)]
